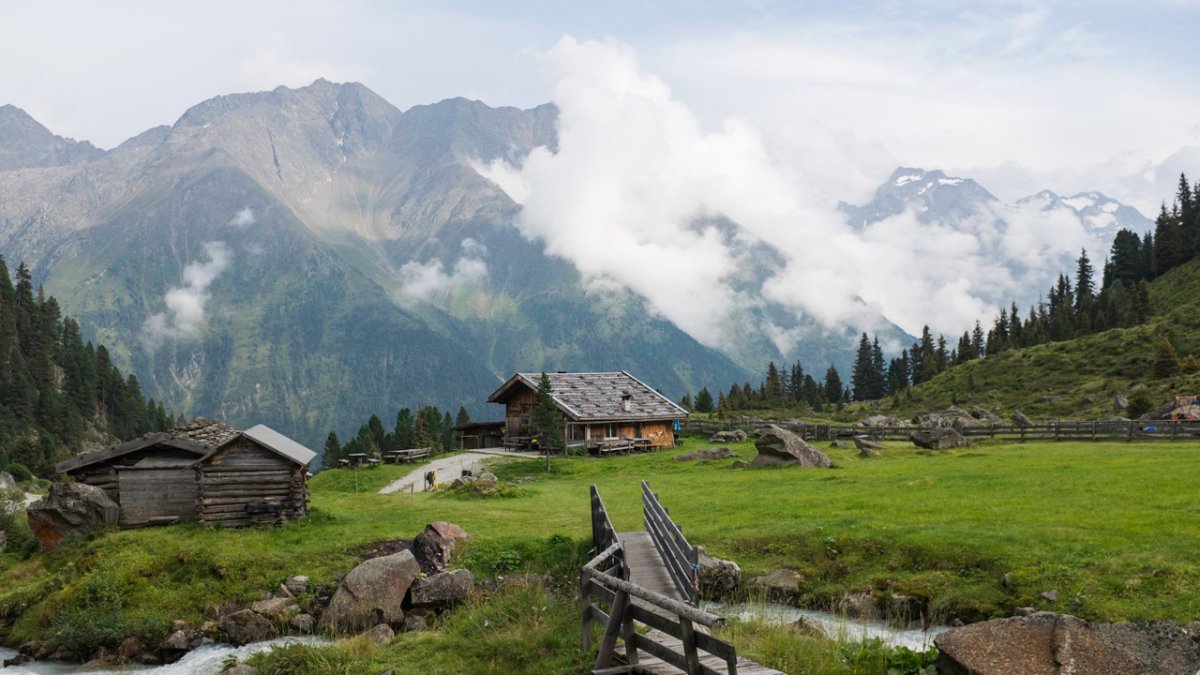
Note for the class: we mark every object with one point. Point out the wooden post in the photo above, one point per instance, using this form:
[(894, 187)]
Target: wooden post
[(628, 634), (1022, 433), (585, 601), (1093, 430), (689, 647), (1130, 439), (609, 642), (1174, 428)]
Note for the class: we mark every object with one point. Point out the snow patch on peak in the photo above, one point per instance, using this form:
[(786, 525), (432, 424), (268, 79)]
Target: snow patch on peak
[(1080, 202), (950, 181), (1110, 207), (906, 179)]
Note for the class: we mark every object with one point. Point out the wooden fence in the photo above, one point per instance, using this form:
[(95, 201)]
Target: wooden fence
[(1100, 430), (682, 560)]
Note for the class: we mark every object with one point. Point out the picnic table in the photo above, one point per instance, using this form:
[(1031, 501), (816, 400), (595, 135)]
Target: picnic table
[(356, 458), (397, 456)]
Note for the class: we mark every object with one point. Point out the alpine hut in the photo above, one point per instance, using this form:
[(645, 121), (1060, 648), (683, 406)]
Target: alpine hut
[(603, 412), (257, 477)]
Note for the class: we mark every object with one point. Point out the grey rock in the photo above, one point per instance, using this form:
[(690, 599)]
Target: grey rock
[(372, 593), (1021, 419), (731, 436), (129, 647), (1057, 645), (70, 509), (1049, 596), (442, 590), (176, 642), (740, 464), (860, 605), (777, 446), (1024, 611), (303, 623), (882, 421), (938, 439), (246, 626), (488, 477), (706, 455), (275, 607), (7, 482), (381, 634), (432, 548), (414, 623), (719, 578), (296, 585)]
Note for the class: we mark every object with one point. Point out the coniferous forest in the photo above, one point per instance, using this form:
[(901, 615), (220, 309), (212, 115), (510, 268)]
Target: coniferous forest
[(1076, 305), (59, 394)]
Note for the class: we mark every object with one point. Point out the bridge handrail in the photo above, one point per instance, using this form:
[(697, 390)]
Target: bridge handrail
[(681, 558), (604, 534)]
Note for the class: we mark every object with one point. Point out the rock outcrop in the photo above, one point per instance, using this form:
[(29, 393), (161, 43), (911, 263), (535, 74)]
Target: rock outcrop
[(1021, 419), (70, 509), (938, 439), (7, 482), (780, 586), (706, 455), (1048, 644), (442, 590), (867, 447), (777, 446), (719, 578), (246, 626), (372, 593), (432, 547)]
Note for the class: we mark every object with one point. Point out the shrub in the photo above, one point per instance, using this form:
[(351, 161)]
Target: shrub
[(1140, 404), (1166, 361), (19, 472)]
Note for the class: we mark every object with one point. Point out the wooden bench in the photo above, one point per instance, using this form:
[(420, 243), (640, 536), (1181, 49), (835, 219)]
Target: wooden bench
[(410, 455)]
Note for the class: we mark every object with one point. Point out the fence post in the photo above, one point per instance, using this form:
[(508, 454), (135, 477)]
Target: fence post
[(1174, 428), (609, 643), (689, 647), (1093, 430), (1130, 438), (1022, 433), (585, 601)]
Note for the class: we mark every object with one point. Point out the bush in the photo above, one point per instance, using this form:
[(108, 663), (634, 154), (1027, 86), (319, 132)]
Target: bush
[(1140, 404), (19, 472)]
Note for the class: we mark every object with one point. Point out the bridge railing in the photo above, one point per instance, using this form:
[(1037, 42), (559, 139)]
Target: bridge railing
[(681, 558), (607, 597)]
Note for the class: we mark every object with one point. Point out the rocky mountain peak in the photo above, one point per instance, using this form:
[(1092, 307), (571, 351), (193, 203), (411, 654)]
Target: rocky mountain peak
[(25, 143)]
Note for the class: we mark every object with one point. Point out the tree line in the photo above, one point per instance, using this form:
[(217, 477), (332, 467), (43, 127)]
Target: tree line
[(55, 388), (1073, 307), (429, 427)]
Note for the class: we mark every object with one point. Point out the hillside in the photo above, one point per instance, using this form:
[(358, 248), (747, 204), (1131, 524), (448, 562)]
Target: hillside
[(1076, 379)]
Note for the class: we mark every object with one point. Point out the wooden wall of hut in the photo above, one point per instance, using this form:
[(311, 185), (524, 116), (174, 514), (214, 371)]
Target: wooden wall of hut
[(247, 484), (102, 476), (156, 496)]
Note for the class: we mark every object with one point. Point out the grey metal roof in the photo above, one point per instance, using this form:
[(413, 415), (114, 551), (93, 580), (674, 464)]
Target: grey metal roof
[(280, 444), (597, 397)]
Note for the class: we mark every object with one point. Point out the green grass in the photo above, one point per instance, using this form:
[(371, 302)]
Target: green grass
[(1114, 525)]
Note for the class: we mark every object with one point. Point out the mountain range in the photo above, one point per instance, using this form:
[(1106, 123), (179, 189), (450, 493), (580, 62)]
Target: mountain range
[(308, 257)]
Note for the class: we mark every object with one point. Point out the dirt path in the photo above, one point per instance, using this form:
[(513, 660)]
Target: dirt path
[(449, 468)]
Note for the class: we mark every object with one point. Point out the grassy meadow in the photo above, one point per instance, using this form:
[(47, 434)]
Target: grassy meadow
[(1112, 528)]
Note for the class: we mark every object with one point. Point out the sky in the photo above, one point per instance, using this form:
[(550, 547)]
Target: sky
[(766, 112)]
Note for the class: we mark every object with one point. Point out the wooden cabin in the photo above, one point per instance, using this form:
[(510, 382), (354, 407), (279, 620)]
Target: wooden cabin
[(476, 435), (603, 412), (258, 477), (151, 478)]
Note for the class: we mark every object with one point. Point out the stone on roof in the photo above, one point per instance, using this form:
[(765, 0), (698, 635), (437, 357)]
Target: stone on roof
[(205, 431)]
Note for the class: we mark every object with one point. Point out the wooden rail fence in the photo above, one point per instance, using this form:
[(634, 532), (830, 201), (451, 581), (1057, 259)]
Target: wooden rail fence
[(681, 559), (1100, 430)]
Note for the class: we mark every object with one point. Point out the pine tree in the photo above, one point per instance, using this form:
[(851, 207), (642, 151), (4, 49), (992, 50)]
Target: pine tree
[(860, 375), (878, 372), (463, 417), (405, 432), (1169, 248), (704, 401), (332, 452), (1166, 360), (977, 343), (546, 423), (833, 385), (686, 403)]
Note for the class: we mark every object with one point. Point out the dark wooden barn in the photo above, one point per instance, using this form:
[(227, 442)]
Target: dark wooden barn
[(257, 477), (604, 412), (151, 477)]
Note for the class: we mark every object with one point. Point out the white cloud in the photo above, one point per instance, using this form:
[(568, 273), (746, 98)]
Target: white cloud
[(637, 176), (430, 280), (185, 304), (243, 219), (271, 65)]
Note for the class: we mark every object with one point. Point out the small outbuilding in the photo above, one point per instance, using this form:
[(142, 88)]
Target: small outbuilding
[(257, 477), (476, 435), (603, 412)]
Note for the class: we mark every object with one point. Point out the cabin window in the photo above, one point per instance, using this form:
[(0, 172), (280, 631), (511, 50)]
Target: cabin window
[(610, 430)]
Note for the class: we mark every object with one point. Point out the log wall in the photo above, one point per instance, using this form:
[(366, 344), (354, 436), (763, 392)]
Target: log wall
[(155, 496), (246, 484)]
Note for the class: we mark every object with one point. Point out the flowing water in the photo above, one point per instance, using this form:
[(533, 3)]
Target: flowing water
[(835, 626), (206, 660)]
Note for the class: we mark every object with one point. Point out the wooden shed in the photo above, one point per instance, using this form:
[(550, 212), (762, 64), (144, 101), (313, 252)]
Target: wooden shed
[(150, 477), (257, 477), (603, 412)]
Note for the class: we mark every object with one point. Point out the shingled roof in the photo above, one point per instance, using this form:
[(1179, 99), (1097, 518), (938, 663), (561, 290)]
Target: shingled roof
[(198, 437), (597, 397)]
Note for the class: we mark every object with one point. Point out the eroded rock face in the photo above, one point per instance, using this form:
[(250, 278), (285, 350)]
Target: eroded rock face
[(734, 436), (70, 509), (432, 548), (7, 482), (442, 590), (707, 454), (777, 446), (1049, 644), (719, 578), (938, 439), (372, 593)]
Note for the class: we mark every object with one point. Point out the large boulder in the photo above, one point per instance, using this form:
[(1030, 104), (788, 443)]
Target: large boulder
[(372, 593), (780, 586), (246, 626), (69, 509), (731, 436), (950, 417), (867, 446), (442, 590), (882, 421), (432, 547), (1021, 419), (706, 455), (777, 446), (938, 439), (7, 482), (719, 578), (1057, 645)]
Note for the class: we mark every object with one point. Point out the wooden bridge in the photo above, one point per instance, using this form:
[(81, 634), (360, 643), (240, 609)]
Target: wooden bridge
[(650, 577)]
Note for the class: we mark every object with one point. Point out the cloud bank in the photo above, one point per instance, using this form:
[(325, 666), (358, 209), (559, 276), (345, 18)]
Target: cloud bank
[(639, 186), (431, 280), (185, 304)]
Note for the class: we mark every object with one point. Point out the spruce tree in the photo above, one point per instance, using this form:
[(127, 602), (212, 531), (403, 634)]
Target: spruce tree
[(704, 401), (860, 375), (833, 385), (463, 417), (332, 452), (546, 422)]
